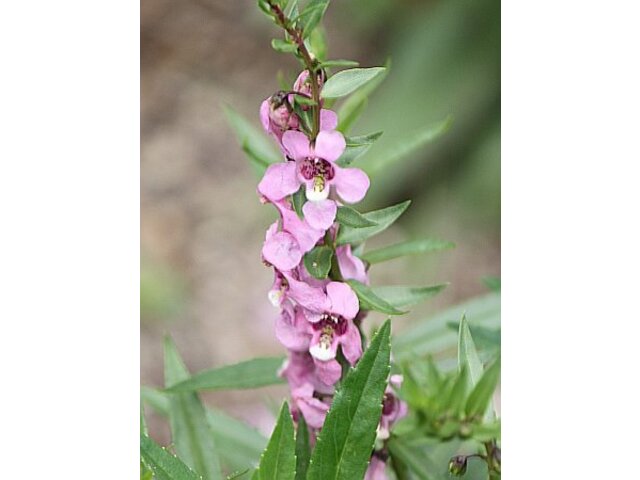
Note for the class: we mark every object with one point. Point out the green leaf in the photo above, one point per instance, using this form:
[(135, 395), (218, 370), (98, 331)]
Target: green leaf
[(303, 449), (257, 372), (298, 200), (311, 15), (431, 335), (492, 283), (356, 147), (405, 296), (408, 145), (254, 142), (417, 461), (338, 63), (480, 397), (384, 218), (352, 218), (347, 81), (143, 423), (484, 337), (344, 446), (318, 261), (317, 43), (163, 464), (412, 247), (283, 46), (291, 10), (458, 394), (192, 437), (278, 461), (370, 301), (467, 354), (353, 106), (238, 444)]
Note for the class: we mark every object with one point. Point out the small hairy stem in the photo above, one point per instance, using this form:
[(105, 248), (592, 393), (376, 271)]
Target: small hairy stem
[(493, 459), (309, 62)]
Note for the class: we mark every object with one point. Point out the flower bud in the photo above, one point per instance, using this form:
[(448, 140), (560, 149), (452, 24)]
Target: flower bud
[(458, 465), (280, 114)]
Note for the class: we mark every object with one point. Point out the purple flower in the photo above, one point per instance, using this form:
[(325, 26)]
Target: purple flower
[(315, 167), (284, 249), (393, 409), (334, 327), (312, 409), (300, 368), (376, 469), (286, 286), (351, 267), (276, 116)]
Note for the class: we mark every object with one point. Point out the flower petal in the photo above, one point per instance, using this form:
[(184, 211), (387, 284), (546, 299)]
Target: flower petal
[(329, 145), (329, 372), (282, 251), (328, 119), (351, 184), (320, 214), (264, 115), (296, 144), (351, 267), (279, 180), (292, 330), (307, 296), (351, 344), (343, 300)]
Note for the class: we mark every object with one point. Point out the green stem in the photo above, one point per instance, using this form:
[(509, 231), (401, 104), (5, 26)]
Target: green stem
[(310, 63)]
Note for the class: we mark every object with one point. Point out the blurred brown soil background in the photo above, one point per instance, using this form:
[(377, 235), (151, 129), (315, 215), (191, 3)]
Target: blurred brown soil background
[(202, 225)]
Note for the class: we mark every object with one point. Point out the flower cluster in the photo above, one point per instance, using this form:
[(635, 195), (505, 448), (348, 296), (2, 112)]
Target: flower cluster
[(319, 320)]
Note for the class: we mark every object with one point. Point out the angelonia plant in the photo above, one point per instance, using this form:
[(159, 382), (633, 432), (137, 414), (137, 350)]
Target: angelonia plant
[(353, 413)]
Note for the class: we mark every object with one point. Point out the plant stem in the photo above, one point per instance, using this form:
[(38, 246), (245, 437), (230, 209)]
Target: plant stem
[(310, 63)]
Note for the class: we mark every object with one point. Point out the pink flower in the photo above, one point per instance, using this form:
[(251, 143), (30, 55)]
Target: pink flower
[(313, 410), (284, 249), (292, 328), (376, 469), (315, 167), (303, 84), (300, 368), (393, 409), (351, 267), (276, 116), (287, 287), (334, 327)]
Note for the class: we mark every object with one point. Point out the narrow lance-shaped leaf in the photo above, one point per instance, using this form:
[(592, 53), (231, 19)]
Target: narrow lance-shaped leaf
[(311, 15), (283, 46), (384, 218), (370, 301), (432, 335), (338, 63), (480, 397), (352, 107), (239, 445), (318, 262), (405, 147), (468, 354), (357, 147), (258, 147), (257, 372), (352, 218), (412, 247), (347, 81), (404, 296), (278, 461), (345, 443), (164, 465), (419, 463), (303, 449), (190, 431)]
